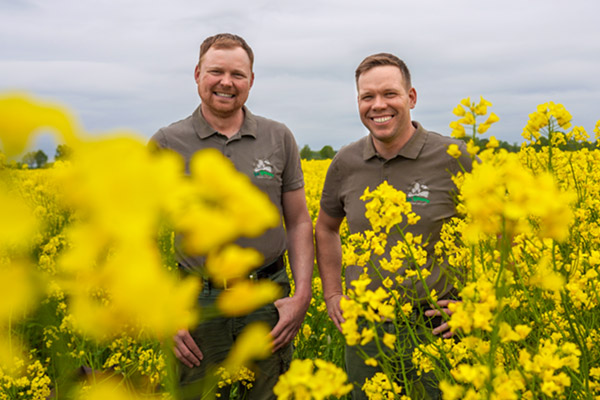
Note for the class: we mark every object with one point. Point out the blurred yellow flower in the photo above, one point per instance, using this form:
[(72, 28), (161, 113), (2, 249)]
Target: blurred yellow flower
[(113, 389), (253, 343), (21, 116), (231, 262), (493, 143), (545, 277), (20, 290), (255, 294), (19, 223), (223, 191)]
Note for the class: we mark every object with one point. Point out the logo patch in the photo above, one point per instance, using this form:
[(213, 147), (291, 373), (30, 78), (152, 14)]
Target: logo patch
[(418, 194), (263, 169)]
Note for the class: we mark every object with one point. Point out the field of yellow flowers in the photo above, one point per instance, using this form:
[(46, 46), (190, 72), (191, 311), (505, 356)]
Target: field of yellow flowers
[(90, 299)]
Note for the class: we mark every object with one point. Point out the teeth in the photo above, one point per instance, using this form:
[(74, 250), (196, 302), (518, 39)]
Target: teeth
[(382, 119), (224, 94)]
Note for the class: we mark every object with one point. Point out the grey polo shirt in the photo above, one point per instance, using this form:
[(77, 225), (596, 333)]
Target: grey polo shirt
[(422, 169), (263, 149)]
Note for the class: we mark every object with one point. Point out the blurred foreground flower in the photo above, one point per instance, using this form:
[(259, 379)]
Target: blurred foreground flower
[(113, 389), (254, 343), (22, 116), (119, 194), (246, 296)]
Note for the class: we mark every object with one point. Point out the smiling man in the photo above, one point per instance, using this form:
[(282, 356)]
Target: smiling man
[(266, 152), (411, 159)]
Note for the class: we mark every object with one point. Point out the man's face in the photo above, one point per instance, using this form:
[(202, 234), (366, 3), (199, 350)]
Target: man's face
[(384, 103), (224, 79)]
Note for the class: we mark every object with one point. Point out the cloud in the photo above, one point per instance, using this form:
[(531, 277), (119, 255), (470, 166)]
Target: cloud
[(130, 64)]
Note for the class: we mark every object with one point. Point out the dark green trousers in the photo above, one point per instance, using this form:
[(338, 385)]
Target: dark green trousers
[(216, 336)]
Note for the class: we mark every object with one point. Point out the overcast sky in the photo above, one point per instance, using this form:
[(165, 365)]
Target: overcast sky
[(129, 63)]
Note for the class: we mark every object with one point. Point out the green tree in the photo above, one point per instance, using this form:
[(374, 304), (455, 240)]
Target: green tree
[(327, 152), (40, 159), (63, 152), (306, 153), (29, 158)]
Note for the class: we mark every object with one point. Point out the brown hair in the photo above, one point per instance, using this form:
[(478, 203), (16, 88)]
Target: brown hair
[(225, 41), (381, 59)]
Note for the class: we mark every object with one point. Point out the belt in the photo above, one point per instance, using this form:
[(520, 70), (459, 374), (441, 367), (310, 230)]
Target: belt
[(268, 270), (264, 272)]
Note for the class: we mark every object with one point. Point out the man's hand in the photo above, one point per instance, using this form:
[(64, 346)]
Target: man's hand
[(335, 310), (186, 350), (291, 315), (442, 328)]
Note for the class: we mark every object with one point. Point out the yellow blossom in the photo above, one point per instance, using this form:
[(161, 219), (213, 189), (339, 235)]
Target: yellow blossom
[(493, 143), (21, 116), (303, 381), (231, 262), (389, 340), (255, 295), (454, 151), (253, 343)]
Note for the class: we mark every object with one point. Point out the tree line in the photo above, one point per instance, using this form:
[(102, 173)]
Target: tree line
[(39, 159)]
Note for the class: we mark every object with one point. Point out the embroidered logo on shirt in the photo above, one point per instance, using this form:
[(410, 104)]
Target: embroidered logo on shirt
[(418, 194), (263, 169)]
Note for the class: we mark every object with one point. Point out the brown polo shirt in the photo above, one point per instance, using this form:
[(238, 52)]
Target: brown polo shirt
[(263, 149), (422, 169)]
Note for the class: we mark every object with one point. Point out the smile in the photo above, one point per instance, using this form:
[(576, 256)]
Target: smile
[(382, 119), (227, 95)]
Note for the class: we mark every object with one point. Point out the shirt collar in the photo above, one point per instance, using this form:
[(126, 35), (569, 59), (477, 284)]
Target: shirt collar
[(410, 150), (204, 130)]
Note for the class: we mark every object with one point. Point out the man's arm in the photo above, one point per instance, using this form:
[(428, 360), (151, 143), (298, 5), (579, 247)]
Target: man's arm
[(329, 261), (301, 255)]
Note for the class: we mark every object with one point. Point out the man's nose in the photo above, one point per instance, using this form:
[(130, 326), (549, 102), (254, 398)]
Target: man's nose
[(379, 103), (226, 80)]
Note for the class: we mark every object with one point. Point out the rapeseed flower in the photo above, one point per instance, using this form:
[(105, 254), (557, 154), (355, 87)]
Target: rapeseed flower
[(469, 112), (255, 295), (231, 262), (509, 199), (22, 116), (303, 381), (380, 387), (386, 207), (20, 289), (254, 343), (454, 151)]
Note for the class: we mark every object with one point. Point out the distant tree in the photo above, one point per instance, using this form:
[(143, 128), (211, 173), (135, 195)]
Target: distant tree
[(327, 152), (40, 159), (35, 159), (63, 152), (306, 153), (29, 158)]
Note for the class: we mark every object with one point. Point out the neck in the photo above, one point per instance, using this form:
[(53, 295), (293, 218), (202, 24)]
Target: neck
[(227, 125), (391, 148)]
